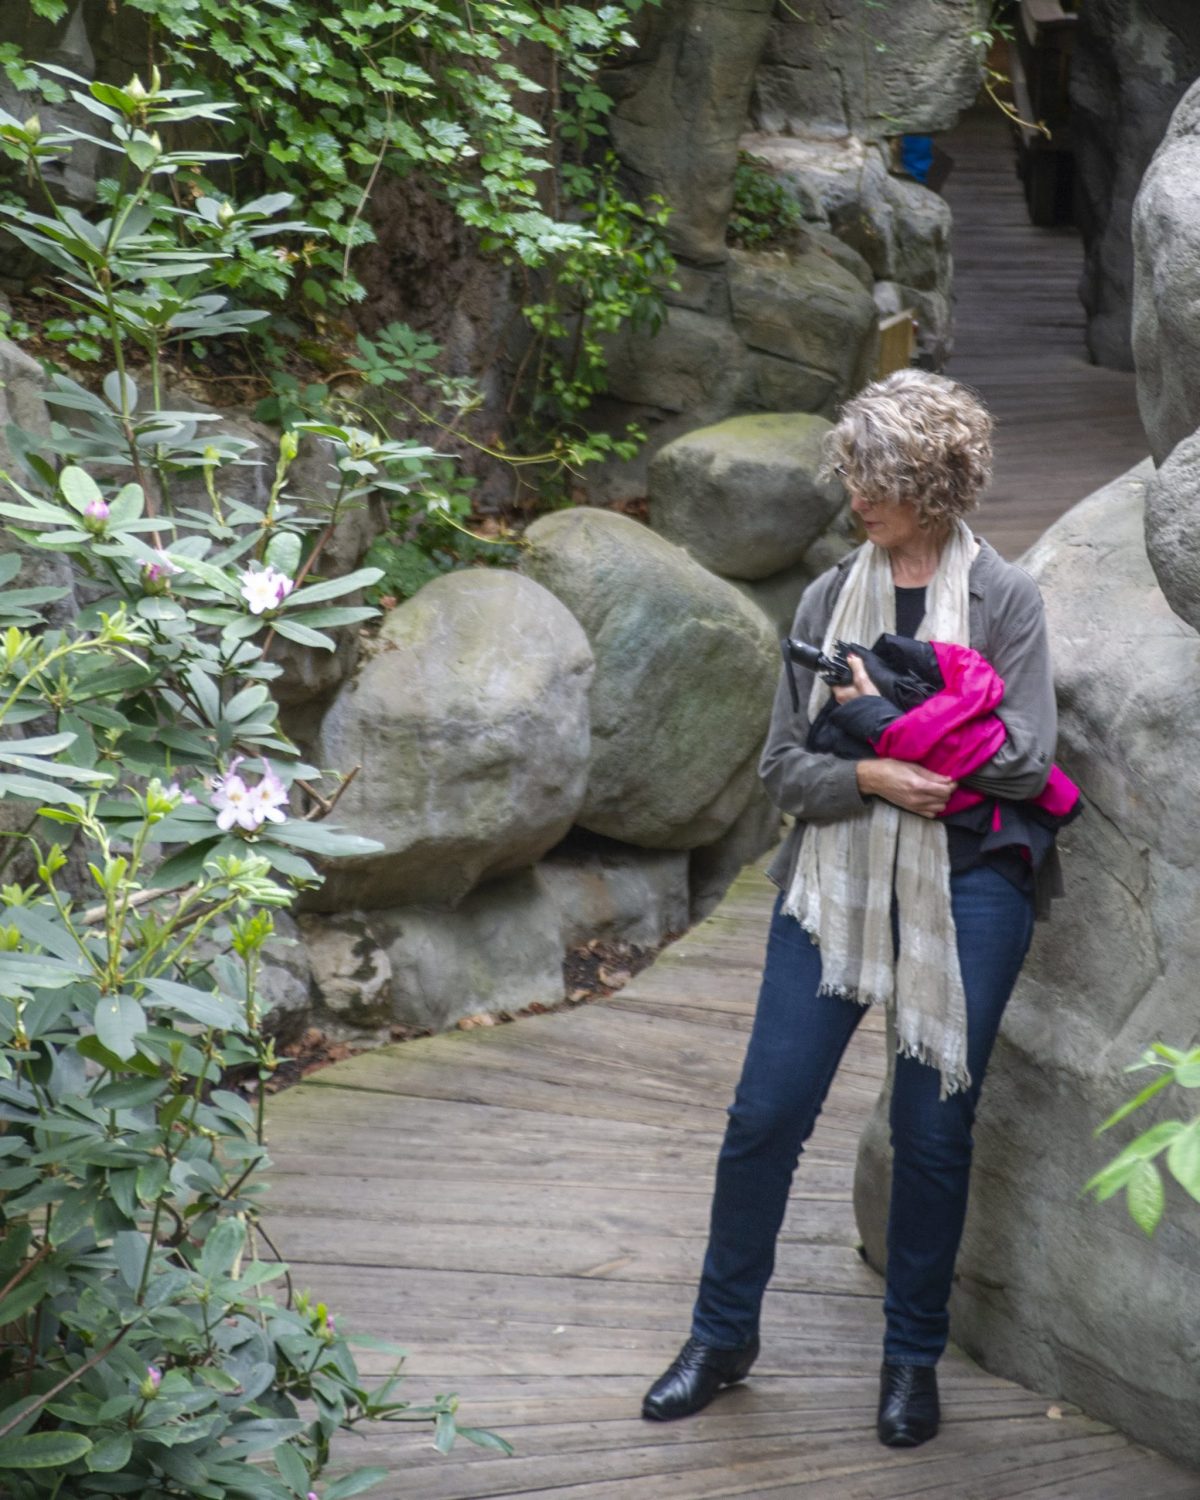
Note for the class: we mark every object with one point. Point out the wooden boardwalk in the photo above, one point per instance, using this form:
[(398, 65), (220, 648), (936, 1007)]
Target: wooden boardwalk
[(524, 1208), (1064, 427)]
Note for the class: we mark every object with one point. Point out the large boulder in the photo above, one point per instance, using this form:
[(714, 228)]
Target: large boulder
[(810, 327), (1172, 535), (604, 889), (500, 950), (1166, 283), (470, 721), (1054, 1290), (680, 101), (695, 363), (878, 70), (685, 675), (1129, 68), (779, 594), (743, 496)]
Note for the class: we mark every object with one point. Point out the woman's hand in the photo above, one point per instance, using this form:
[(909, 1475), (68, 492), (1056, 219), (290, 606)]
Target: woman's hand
[(862, 686), (909, 786)]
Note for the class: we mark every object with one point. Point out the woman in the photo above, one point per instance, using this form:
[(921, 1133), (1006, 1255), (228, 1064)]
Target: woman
[(880, 900)]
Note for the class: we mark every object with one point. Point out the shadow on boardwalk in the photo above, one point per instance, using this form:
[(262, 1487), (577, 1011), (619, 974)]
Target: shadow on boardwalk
[(524, 1208)]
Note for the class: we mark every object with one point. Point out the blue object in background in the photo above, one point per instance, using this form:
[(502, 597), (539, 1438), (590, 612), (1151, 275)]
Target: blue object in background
[(916, 155)]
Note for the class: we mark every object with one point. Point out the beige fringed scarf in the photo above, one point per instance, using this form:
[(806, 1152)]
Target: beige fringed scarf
[(842, 889)]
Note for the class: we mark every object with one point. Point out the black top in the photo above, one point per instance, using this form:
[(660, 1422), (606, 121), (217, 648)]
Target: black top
[(964, 845)]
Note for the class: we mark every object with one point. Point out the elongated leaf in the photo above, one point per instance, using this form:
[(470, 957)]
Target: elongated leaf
[(78, 487), (302, 635), (355, 1483), (222, 1247), (43, 1450), (111, 1454), (198, 1005), (321, 838), (39, 973), (119, 1021), (333, 588), (1135, 1103)]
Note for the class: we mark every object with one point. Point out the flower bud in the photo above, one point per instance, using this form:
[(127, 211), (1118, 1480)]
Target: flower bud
[(226, 215), (33, 127), (289, 446), (136, 89), (95, 515)]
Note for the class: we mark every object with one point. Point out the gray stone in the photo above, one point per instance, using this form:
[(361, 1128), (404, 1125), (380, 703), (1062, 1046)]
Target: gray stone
[(351, 974), (685, 675), (470, 720), (779, 595), (808, 311), (1172, 534), (604, 889), (22, 406), (714, 868), (879, 71), (743, 496), (680, 101), (694, 363), (1054, 1290), (501, 950), (1129, 68), (934, 318), (1166, 283)]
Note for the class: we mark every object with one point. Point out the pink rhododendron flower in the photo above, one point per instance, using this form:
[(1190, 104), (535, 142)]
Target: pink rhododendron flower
[(265, 588), (95, 514), (249, 807)]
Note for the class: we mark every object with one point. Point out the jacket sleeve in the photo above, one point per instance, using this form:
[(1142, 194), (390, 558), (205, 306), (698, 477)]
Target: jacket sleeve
[(802, 782), (1020, 652)]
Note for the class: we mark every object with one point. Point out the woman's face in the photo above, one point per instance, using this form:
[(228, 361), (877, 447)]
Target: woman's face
[(888, 523)]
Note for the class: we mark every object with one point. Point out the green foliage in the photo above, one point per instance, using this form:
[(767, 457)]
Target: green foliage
[(763, 210), (1136, 1168), (145, 1347)]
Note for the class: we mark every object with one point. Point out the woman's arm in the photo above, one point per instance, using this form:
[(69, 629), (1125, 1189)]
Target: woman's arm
[(1020, 652)]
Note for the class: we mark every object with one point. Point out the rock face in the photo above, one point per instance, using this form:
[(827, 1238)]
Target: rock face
[(471, 723), (1130, 66), (899, 229), (1166, 283), (743, 496), (21, 405), (500, 950), (603, 889), (1054, 1290), (352, 977), (875, 71), (680, 105), (809, 326), (685, 674), (1172, 542)]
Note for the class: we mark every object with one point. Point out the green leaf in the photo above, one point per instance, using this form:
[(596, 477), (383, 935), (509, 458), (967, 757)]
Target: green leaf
[(484, 1439), (1187, 1074), (354, 1483), (292, 1470), (119, 1021), (302, 635), (222, 1247), (129, 1251), (72, 1214), (1183, 1159), (110, 1454), (207, 1008), (1135, 1103), (43, 1450), (78, 487), (318, 838), (283, 552), (23, 1296), (333, 588), (1145, 1197)]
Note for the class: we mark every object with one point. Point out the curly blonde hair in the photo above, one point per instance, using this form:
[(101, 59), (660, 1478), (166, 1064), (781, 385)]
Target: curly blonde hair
[(913, 436)]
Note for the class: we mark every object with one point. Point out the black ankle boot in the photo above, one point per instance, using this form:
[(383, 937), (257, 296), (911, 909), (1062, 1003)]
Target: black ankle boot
[(694, 1377), (908, 1405)]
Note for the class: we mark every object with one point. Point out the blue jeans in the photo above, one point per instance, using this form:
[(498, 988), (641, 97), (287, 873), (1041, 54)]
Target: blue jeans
[(795, 1047)]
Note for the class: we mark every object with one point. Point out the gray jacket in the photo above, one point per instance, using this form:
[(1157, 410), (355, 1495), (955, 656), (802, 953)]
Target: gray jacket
[(1007, 626)]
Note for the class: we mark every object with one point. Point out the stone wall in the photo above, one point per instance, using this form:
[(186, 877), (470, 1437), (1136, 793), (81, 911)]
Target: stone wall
[(1131, 65), (841, 67)]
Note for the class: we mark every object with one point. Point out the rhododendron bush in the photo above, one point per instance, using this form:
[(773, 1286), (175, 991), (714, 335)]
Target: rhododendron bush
[(151, 1342)]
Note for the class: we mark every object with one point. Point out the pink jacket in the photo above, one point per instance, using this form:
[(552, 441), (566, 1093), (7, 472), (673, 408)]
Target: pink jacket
[(956, 730)]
